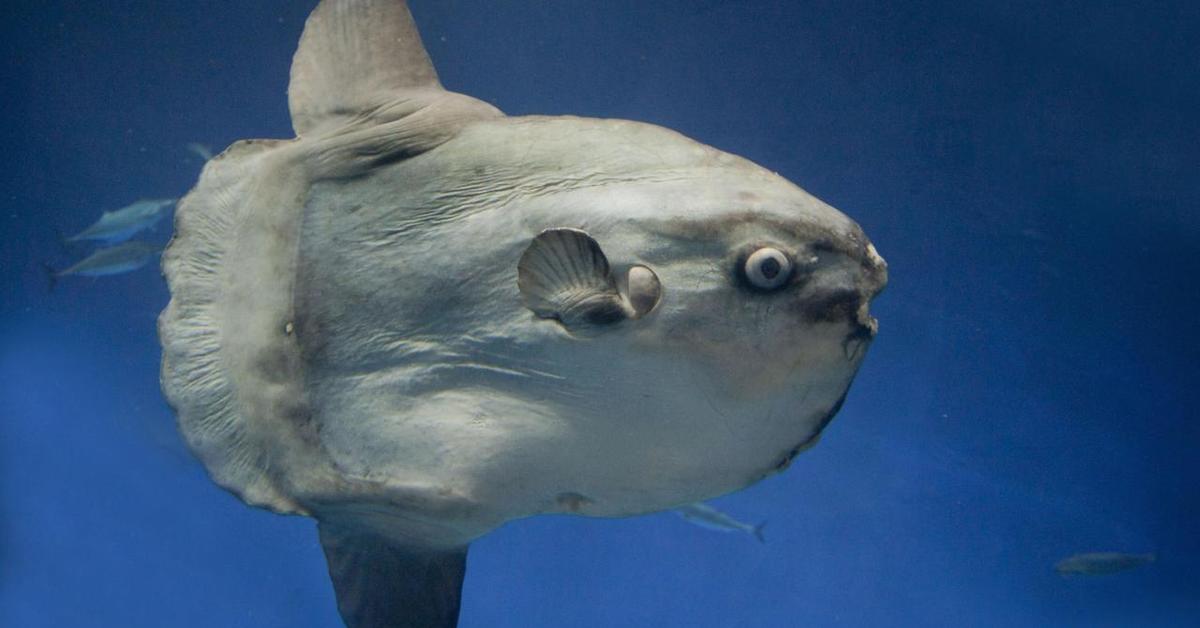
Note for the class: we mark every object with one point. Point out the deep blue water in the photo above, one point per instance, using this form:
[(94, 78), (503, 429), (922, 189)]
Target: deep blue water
[(1030, 170)]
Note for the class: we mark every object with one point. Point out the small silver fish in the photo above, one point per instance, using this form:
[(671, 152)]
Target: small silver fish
[(110, 261), (120, 225), (201, 150), (1101, 563), (706, 516)]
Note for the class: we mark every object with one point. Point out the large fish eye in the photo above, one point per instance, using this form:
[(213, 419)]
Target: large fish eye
[(767, 268)]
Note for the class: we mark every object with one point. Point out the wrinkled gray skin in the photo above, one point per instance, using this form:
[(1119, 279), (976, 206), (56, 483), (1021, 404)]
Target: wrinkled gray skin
[(437, 372), (346, 337)]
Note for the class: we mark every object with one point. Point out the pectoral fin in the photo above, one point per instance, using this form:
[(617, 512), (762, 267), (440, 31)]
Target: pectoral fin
[(564, 275), (383, 585)]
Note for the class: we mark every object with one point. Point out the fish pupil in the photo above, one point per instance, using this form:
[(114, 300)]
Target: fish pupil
[(770, 268)]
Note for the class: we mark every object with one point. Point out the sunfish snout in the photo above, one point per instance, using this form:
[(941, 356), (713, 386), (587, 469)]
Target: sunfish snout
[(841, 282), (845, 292), (874, 271), (873, 279)]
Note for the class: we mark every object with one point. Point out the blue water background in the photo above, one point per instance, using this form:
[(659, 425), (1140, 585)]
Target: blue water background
[(1029, 170)]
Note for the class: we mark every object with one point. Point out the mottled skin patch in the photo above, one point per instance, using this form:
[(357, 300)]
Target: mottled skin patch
[(806, 244), (572, 502), (849, 241)]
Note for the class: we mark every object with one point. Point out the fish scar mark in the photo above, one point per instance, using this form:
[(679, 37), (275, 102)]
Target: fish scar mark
[(713, 406), (572, 501)]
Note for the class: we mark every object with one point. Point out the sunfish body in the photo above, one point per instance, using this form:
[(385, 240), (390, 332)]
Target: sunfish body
[(1101, 563), (115, 260), (706, 516), (422, 318), (122, 224)]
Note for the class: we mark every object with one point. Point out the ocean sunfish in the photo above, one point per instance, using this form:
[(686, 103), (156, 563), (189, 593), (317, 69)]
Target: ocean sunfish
[(706, 516), (1101, 563), (422, 318), (121, 224), (114, 260)]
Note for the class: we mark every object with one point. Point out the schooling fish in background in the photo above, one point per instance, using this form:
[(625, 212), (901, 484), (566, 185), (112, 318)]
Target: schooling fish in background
[(201, 150), (706, 516), (122, 224), (110, 261), (1101, 563)]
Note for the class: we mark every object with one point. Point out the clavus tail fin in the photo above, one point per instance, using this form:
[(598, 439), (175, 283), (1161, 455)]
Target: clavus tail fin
[(380, 584)]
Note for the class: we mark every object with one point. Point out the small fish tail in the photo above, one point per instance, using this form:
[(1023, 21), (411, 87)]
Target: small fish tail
[(51, 275), (64, 240), (758, 532)]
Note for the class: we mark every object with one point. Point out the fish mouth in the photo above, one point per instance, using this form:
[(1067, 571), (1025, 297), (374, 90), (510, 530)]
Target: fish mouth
[(845, 307), (849, 299), (855, 344), (864, 326)]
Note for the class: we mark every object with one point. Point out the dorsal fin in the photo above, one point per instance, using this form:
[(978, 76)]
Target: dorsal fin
[(354, 56)]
